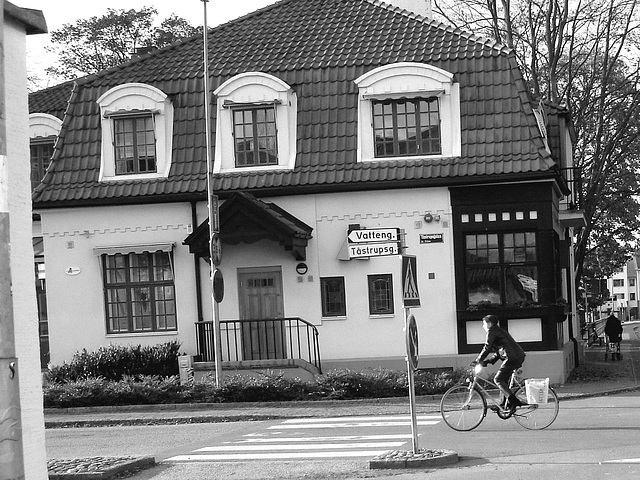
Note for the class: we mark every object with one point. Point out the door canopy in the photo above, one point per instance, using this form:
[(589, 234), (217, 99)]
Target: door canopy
[(245, 219)]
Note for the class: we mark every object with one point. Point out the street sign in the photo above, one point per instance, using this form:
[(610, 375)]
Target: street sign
[(410, 294), (218, 286), (412, 342), (214, 213), (431, 238), (373, 250), (411, 336), (216, 249), (369, 235)]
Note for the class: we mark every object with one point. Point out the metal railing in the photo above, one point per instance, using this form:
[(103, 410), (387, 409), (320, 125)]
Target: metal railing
[(594, 331), (573, 177), (290, 338)]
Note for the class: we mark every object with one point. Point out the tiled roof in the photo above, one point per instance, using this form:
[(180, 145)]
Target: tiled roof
[(51, 100), (319, 47)]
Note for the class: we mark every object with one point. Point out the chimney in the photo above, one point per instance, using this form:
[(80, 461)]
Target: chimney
[(421, 7)]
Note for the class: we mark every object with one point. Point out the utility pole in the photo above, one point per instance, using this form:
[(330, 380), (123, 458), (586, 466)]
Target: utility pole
[(11, 456)]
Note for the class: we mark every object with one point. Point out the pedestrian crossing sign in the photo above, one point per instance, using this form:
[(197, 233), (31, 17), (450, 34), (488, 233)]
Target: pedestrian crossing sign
[(410, 294)]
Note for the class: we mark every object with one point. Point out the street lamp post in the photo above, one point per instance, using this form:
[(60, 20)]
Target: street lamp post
[(212, 205)]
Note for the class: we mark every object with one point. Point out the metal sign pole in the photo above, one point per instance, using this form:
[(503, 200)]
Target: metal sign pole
[(212, 203), (412, 387), (11, 452)]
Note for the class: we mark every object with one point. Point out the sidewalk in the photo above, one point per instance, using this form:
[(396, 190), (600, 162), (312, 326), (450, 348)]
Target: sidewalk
[(614, 377)]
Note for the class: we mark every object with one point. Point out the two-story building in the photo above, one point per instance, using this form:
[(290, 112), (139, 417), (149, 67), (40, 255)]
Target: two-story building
[(343, 134)]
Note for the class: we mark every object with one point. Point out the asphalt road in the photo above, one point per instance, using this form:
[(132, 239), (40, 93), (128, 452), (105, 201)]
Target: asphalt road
[(592, 438)]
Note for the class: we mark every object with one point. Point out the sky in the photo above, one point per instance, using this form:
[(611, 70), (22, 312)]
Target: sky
[(60, 12)]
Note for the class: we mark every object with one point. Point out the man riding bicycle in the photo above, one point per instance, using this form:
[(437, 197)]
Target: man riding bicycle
[(500, 345)]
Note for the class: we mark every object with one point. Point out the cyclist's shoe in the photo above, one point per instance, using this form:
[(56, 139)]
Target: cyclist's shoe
[(513, 402)]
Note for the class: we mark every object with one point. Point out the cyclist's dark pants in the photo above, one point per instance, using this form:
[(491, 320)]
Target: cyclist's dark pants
[(504, 374)]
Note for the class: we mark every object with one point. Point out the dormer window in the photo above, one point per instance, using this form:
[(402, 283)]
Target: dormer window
[(408, 110), (135, 145), (256, 124), (137, 133), (43, 133), (406, 127)]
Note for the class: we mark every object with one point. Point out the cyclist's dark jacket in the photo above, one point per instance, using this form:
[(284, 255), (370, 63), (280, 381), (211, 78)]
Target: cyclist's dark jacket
[(499, 341)]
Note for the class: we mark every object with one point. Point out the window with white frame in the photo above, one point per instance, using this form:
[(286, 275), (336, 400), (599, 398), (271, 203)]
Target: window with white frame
[(334, 303), (134, 142), (380, 294), (41, 151), (255, 124), (408, 109), (139, 292), (406, 127), (254, 135), (137, 131)]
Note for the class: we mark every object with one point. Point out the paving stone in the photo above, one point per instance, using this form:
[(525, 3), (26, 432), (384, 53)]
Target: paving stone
[(423, 458)]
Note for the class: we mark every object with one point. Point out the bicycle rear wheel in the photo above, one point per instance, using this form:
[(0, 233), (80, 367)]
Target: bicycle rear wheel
[(462, 408), (538, 415)]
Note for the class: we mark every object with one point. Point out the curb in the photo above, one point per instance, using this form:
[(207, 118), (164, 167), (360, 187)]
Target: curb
[(190, 417), (96, 468), (398, 459), (420, 399)]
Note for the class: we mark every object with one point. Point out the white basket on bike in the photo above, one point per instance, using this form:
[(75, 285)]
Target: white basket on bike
[(537, 390)]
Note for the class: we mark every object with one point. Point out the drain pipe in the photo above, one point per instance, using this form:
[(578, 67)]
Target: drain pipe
[(574, 302), (196, 266)]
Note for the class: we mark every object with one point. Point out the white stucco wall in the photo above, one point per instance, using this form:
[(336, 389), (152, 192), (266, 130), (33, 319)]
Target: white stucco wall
[(359, 339), (358, 335), (22, 271), (76, 303)]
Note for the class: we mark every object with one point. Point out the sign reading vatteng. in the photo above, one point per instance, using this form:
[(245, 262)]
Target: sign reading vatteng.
[(368, 235)]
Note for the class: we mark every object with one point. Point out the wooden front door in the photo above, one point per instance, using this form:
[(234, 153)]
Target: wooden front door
[(260, 294)]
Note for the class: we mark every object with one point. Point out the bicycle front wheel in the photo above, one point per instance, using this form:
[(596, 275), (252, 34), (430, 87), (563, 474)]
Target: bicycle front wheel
[(463, 408), (536, 416)]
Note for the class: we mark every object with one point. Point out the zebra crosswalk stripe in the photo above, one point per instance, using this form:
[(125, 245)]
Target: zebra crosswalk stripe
[(269, 446)]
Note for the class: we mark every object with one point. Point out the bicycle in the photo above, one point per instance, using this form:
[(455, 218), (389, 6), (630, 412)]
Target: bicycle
[(463, 407)]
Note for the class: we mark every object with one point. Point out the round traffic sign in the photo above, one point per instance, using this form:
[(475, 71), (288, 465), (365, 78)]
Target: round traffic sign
[(216, 249), (412, 342), (218, 286)]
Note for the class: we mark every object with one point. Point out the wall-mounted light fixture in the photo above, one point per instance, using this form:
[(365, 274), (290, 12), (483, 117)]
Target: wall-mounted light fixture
[(429, 217)]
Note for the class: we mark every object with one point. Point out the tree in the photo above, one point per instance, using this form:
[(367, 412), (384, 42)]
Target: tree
[(97, 43), (584, 55)]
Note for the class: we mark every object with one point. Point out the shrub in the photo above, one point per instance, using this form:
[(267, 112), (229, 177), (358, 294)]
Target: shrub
[(347, 384), (266, 387), (269, 386), (115, 362)]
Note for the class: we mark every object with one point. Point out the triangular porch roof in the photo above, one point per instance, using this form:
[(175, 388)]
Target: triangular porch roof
[(246, 219)]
